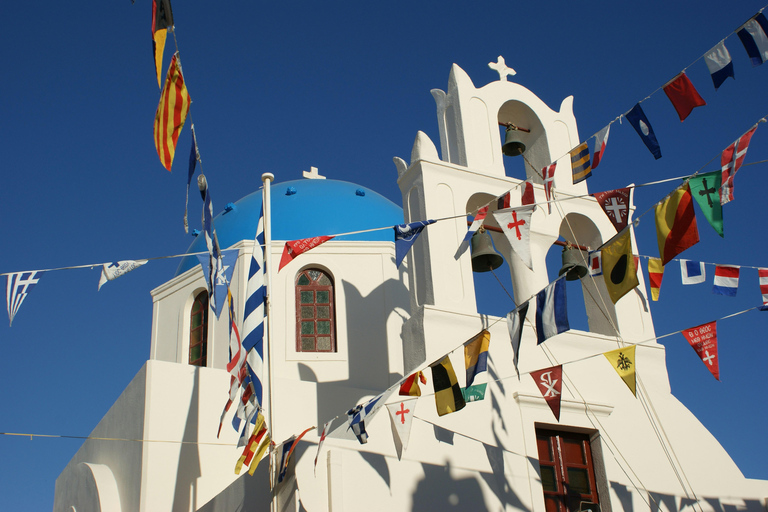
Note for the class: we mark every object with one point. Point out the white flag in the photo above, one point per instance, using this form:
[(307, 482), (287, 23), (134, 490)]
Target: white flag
[(110, 271), (516, 224), (401, 416)]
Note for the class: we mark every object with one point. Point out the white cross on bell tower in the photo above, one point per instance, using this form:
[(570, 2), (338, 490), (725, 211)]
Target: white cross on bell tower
[(313, 174), (501, 68)]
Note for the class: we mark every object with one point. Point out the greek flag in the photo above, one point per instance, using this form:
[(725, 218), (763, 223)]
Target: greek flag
[(18, 286)]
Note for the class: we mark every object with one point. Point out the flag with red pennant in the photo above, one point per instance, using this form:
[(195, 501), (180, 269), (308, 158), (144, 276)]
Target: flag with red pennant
[(676, 228), (526, 193), (516, 225), (550, 383), (615, 204), (410, 386), (683, 95), (171, 113), (655, 275), (549, 182), (703, 340), (730, 162), (296, 247), (401, 418), (601, 140)]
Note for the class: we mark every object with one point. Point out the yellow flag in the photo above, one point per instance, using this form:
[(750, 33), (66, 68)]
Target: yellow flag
[(655, 273), (171, 113), (619, 270), (259, 454), (623, 361)]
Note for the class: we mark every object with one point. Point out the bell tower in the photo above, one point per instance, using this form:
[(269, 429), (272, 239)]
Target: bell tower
[(473, 172)]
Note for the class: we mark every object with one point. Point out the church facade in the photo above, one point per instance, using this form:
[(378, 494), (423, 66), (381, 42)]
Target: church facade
[(347, 324)]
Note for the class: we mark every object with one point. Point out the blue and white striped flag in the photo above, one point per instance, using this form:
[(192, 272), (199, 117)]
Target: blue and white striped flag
[(551, 311), (17, 288), (754, 37)]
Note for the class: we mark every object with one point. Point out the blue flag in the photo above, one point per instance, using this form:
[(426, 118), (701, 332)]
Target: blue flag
[(551, 311), (754, 37), (642, 126), (356, 417), (719, 64), (405, 236)]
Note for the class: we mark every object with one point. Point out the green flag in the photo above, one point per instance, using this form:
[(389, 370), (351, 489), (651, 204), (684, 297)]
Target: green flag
[(706, 190), (474, 393)]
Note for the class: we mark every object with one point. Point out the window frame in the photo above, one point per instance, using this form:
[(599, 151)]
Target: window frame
[(313, 320), (199, 307)]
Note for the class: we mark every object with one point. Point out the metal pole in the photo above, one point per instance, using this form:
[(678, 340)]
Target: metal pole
[(267, 178)]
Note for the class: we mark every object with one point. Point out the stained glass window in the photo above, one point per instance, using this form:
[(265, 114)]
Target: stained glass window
[(315, 312), (198, 330)]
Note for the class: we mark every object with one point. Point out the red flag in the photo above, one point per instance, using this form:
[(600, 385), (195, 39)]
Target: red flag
[(730, 161), (503, 201), (527, 193), (601, 140), (676, 228), (549, 181), (410, 387), (550, 382), (615, 204), (171, 113), (703, 339), (683, 95), (296, 247)]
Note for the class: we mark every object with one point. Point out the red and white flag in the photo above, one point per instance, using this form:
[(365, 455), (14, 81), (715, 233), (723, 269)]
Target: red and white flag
[(550, 383), (601, 140), (730, 161), (296, 247), (549, 182), (726, 280), (323, 435), (526, 193), (516, 224), (703, 339), (401, 417), (763, 274), (615, 204)]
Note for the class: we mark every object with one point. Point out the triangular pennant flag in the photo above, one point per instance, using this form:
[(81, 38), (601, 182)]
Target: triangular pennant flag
[(642, 126), (549, 182), (526, 193), (17, 287), (692, 272), (296, 247), (703, 339), (726, 280), (719, 64), (730, 162), (550, 384), (619, 270), (323, 435), (410, 386), (474, 393), (615, 204), (194, 156), (601, 141), (676, 228), (623, 361), (551, 311), (162, 18), (448, 397), (476, 355), (655, 275), (705, 190), (683, 95), (401, 418), (405, 236), (763, 282), (515, 321), (118, 268), (516, 224), (580, 163), (754, 36), (171, 113)]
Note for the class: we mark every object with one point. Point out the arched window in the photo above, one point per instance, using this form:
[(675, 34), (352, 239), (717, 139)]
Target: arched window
[(198, 330), (315, 312)]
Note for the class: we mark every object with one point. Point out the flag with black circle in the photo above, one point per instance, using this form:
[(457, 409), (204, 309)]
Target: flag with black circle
[(619, 269)]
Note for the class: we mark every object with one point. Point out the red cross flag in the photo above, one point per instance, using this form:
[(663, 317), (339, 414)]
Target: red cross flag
[(550, 383), (703, 339), (615, 204), (516, 224), (401, 416)]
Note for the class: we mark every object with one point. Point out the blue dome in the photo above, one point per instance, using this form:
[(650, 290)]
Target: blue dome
[(303, 209)]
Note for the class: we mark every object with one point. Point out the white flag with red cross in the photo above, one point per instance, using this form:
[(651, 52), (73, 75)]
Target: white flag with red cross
[(401, 416), (516, 224)]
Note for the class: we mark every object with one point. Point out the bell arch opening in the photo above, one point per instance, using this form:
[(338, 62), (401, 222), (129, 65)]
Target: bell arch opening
[(531, 134)]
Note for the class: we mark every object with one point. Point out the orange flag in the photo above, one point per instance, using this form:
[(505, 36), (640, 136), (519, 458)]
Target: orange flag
[(676, 223), (171, 113)]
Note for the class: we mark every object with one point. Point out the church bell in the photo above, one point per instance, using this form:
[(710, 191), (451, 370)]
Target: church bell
[(484, 256), (513, 146), (573, 264)]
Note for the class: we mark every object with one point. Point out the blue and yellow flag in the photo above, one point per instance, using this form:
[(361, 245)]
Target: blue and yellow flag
[(580, 163), (476, 355)]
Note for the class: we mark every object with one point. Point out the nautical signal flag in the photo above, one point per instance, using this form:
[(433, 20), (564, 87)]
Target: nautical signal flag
[(763, 281), (719, 64), (692, 272), (703, 339), (619, 268), (516, 225), (476, 355), (171, 113), (296, 247), (410, 386), (405, 237), (615, 204), (726, 280), (255, 448), (683, 95), (162, 18), (549, 182), (357, 415), (705, 189), (550, 384), (580, 163), (595, 263), (551, 311), (526, 193), (448, 397), (17, 287), (642, 126), (401, 419), (601, 140), (676, 228), (730, 162), (515, 321), (323, 435), (623, 361), (754, 37), (655, 275)]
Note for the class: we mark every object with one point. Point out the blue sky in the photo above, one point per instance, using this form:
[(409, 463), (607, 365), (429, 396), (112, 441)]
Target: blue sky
[(342, 86)]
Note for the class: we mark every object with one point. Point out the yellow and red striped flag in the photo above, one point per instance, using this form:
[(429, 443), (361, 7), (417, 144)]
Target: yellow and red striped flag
[(171, 113), (655, 274)]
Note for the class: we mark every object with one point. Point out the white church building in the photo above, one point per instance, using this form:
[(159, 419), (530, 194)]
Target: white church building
[(377, 323)]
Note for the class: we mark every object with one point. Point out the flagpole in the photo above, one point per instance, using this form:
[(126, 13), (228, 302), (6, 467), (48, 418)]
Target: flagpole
[(266, 199)]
